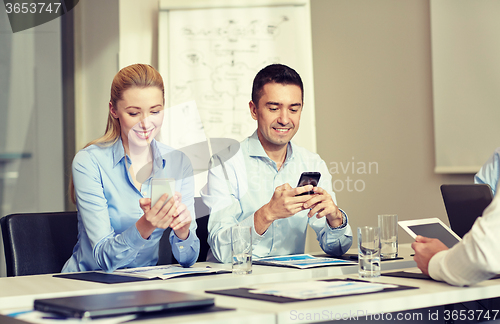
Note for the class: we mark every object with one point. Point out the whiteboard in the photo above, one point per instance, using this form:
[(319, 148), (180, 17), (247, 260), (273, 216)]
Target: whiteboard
[(466, 82), (211, 55)]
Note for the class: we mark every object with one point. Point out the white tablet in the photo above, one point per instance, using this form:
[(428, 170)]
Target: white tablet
[(431, 227)]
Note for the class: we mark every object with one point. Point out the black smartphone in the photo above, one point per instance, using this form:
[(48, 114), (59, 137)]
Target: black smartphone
[(308, 178)]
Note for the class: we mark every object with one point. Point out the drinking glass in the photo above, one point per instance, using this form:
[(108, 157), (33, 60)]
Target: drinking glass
[(388, 236), (369, 252), (241, 248)]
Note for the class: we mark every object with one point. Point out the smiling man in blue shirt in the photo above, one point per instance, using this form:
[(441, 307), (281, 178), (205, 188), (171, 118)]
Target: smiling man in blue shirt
[(250, 183)]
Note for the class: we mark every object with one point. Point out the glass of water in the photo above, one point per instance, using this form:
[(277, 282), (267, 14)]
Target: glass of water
[(388, 236), (369, 252), (241, 248)]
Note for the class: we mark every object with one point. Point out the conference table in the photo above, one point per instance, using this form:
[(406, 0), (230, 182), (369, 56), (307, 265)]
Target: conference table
[(18, 293)]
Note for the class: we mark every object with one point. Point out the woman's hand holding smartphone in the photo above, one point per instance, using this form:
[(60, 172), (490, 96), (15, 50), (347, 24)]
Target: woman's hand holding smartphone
[(166, 211)]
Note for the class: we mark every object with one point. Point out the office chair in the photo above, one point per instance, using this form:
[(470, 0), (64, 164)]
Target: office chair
[(38, 243), (165, 255)]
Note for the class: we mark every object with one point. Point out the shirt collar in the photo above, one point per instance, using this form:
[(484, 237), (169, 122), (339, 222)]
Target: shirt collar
[(158, 160), (255, 148), (118, 151)]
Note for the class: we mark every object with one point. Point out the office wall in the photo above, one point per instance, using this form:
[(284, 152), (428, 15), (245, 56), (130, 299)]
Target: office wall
[(373, 88), (140, 25), (96, 63), (101, 49)]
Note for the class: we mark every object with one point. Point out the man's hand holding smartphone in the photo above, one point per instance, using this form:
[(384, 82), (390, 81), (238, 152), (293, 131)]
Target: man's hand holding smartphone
[(308, 178), (285, 202), (320, 203)]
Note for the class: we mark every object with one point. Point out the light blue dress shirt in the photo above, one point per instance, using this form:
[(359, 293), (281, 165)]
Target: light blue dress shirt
[(489, 172), (245, 181), (108, 208)]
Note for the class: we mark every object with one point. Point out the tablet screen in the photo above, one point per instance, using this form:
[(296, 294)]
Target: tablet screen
[(435, 230)]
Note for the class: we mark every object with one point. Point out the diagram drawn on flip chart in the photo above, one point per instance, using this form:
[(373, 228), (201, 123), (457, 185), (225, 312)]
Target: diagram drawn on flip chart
[(212, 55)]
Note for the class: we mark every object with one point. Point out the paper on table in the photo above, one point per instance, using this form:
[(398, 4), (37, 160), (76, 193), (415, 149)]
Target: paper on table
[(318, 289), (164, 272), (302, 261), (413, 270)]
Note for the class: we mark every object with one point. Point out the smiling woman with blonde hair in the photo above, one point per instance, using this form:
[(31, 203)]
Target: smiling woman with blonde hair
[(111, 185)]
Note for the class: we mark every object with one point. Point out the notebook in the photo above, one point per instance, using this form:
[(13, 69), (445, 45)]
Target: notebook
[(464, 203), (121, 303)]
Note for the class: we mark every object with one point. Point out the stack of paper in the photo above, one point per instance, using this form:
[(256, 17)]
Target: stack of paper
[(301, 261), (318, 289), (166, 272)]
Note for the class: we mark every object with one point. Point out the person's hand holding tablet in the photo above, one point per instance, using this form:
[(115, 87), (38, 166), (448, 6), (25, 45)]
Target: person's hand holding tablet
[(431, 236), (425, 248)]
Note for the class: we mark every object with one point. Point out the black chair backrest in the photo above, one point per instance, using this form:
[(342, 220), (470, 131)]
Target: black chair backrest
[(165, 255), (38, 243), (464, 203), (202, 233), (202, 214)]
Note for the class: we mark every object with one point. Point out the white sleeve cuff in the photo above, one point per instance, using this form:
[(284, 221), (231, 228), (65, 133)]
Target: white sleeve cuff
[(435, 265)]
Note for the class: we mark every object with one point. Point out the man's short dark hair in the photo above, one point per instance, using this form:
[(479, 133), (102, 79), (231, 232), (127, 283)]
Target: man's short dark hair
[(274, 73)]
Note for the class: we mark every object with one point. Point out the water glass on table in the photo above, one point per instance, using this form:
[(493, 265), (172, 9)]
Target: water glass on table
[(369, 252), (388, 235), (241, 248)]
